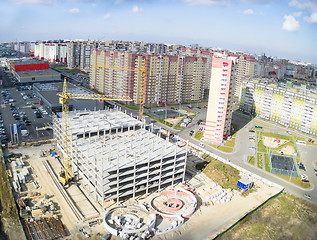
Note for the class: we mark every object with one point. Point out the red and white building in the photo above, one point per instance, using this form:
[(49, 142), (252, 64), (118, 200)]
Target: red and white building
[(52, 51), (219, 110)]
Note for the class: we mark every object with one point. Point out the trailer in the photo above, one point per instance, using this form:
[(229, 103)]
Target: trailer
[(245, 184)]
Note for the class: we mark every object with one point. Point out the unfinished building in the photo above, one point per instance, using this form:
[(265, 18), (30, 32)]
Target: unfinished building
[(116, 157)]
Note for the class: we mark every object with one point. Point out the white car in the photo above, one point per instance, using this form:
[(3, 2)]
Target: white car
[(307, 196), (202, 145)]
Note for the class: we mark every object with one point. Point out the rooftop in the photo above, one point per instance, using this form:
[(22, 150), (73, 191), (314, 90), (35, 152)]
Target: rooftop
[(118, 148), (38, 73), (26, 61)]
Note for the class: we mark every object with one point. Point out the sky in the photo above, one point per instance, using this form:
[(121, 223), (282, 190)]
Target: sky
[(280, 28)]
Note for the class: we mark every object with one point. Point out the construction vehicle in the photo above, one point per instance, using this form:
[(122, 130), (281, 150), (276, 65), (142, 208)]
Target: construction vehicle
[(141, 70), (66, 174)]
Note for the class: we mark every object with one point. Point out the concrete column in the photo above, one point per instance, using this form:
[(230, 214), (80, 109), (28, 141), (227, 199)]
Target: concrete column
[(148, 172), (174, 162), (134, 175), (117, 180), (161, 167), (183, 180)]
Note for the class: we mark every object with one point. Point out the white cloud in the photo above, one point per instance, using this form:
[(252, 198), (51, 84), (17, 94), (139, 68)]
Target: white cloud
[(312, 18), (297, 14), (290, 23), (248, 12), (310, 5), (107, 16), (74, 10), (207, 2), (136, 9)]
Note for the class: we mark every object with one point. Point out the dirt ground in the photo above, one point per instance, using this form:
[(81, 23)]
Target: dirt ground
[(288, 149), (174, 121), (48, 187), (205, 223), (273, 142), (208, 221)]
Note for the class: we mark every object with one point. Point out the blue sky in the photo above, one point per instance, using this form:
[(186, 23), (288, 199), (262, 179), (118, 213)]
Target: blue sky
[(282, 28)]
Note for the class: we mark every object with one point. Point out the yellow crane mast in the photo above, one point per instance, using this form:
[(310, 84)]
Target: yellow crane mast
[(141, 70), (64, 97)]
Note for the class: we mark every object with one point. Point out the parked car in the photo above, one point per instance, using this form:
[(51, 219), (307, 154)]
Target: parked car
[(202, 145), (307, 196)]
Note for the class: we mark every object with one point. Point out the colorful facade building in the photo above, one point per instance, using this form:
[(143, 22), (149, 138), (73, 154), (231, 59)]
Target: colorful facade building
[(168, 79), (289, 106)]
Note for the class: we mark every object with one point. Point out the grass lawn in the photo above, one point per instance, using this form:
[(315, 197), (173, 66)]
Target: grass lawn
[(230, 143), (251, 160), (267, 162), (223, 174), (295, 180), (261, 147), (199, 135), (284, 217), (300, 138), (225, 149), (260, 163)]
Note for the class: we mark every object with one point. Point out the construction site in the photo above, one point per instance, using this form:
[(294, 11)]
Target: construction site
[(127, 181), (106, 174), (116, 157)]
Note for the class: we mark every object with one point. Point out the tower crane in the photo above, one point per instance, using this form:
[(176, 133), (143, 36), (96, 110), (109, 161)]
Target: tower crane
[(66, 174), (141, 70)]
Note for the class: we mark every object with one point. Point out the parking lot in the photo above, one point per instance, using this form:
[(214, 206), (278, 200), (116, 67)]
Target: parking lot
[(19, 106)]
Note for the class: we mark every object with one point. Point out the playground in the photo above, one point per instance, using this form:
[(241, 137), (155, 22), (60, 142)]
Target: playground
[(279, 144)]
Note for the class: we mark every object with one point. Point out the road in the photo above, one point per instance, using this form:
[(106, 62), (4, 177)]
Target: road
[(241, 149)]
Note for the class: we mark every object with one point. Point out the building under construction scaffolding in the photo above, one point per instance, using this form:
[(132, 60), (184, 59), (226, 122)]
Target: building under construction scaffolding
[(117, 157)]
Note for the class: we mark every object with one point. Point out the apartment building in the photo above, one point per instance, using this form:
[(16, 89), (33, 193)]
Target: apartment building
[(219, 111), (52, 51), (291, 107), (244, 68), (78, 54), (168, 79)]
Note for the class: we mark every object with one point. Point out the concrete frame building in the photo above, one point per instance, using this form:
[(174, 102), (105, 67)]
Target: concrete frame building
[(219, 112), (289, 107), (116, 157), (169, 78)]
